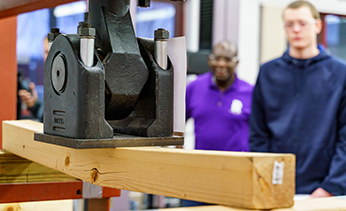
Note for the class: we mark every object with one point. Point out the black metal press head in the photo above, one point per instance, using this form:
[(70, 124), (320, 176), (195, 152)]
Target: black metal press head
[(122, 98)]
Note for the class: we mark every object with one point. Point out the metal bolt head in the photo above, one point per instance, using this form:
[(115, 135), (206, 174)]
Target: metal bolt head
[(54, 32), (50, 37), (86, 30), (161, 34), (143, 3)]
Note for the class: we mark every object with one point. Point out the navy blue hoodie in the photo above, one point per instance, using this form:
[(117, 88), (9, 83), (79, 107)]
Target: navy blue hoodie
[(299, 106)]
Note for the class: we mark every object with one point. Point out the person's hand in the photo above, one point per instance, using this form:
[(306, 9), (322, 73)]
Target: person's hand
[(28, 98), (320, 192)]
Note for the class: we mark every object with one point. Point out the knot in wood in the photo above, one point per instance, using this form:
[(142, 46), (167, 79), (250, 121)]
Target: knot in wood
[(12, 208), (67, 161), (94, 175)]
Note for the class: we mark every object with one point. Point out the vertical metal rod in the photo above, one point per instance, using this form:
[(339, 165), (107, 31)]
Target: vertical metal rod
[(160, 53), (87, 51), (87, 40)]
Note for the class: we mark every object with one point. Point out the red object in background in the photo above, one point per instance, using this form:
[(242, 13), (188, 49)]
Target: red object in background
[(43, 191), (8, 72)]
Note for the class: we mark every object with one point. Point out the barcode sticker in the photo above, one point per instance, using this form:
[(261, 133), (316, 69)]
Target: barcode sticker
[(278, 173)]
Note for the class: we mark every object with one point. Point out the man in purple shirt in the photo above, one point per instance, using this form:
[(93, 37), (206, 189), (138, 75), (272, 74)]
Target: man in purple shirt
[(220, 103)]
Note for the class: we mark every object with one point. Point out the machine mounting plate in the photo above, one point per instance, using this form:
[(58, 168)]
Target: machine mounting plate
[(119, 140)]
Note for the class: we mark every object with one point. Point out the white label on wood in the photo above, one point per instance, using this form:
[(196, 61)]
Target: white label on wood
[(278, 173)]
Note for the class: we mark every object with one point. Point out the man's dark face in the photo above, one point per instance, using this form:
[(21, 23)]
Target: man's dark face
[(223, 63)]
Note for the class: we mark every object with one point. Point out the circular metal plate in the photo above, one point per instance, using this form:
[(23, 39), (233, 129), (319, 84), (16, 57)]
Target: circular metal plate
[(58, 74)]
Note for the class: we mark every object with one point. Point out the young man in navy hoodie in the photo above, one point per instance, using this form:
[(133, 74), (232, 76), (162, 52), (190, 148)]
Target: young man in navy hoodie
[(299, 106)]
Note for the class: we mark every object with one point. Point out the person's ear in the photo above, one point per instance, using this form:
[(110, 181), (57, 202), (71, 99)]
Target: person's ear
[(210, 59), (318, 25), (235, 60)]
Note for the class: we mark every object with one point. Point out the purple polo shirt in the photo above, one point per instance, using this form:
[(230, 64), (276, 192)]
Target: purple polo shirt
[(221, 118)]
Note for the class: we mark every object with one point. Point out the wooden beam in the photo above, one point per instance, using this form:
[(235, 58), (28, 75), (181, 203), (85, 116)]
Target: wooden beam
[(24, 180), (14, 169), (230, 178), (318, 204), (66, 205), (10, 8)]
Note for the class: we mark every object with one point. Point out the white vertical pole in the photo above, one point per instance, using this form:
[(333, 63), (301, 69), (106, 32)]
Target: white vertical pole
[(192, 14)]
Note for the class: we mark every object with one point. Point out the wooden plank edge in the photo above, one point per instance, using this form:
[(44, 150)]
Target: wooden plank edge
[(316, 204), (65, 205), (15, 169), (163, 171)]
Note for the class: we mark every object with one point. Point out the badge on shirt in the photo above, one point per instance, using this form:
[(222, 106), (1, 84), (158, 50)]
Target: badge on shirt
[(236, 107)]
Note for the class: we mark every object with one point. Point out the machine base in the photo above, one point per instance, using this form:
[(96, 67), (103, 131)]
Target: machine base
[(119, 140)]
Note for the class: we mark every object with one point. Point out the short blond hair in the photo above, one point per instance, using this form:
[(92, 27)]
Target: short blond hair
[(302, 3)]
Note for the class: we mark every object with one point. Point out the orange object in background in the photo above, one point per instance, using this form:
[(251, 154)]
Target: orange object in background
[(8, 70), (43, 191)]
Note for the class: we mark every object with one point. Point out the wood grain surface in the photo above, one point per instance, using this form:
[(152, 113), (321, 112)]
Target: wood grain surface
[(236, 179)]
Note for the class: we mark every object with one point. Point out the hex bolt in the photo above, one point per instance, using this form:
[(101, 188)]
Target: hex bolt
[(87, 39), (143, 3), (161, 37), (54, 32)]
